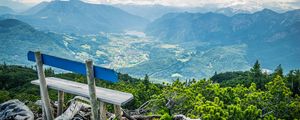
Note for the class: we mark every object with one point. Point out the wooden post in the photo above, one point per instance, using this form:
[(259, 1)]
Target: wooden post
[(118, 112), (43, 86), (102, 111), (60, 103), (92, 90), (43, 113)]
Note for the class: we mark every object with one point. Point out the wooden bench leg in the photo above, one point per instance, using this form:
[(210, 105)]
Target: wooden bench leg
[(102, 111), (43, 86), (92, 89), (60, 103), (118, 112), (44, 113)]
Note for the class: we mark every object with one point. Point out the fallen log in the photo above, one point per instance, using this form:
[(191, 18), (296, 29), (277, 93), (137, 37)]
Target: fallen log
[(77, 104), (127, 115), (73, 109)]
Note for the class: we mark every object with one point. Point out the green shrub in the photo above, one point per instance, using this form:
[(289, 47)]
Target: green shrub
[(166, 116), (4, 96)]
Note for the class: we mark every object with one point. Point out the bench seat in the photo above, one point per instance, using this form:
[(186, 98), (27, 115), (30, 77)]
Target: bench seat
[(103, 94)]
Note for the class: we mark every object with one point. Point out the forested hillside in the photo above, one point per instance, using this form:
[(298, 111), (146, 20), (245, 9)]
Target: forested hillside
[(232, 95)]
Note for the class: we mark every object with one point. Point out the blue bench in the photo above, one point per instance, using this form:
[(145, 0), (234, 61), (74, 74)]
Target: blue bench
[(89, 90)]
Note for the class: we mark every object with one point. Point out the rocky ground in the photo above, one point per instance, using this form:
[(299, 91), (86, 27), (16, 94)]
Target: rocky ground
[(78, 109)]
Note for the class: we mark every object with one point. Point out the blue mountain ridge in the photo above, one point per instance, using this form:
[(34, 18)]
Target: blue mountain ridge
[(271, 37)]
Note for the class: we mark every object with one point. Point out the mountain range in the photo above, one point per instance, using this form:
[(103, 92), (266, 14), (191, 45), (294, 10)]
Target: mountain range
[(152, 12), (230, 11), (164, 45), (79, 17), (268, 34)]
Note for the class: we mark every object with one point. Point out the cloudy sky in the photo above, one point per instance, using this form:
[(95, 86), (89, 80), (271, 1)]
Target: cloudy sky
[(239, 4)]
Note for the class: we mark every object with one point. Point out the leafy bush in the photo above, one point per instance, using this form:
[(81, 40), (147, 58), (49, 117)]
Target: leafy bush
[(166, 116)]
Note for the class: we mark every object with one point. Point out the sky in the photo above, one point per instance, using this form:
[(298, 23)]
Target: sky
[(239, 4)]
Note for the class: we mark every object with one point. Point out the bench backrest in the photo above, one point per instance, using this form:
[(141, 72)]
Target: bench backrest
[(74, 66)]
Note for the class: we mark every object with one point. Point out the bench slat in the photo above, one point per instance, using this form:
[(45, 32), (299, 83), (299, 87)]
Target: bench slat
[(103, 94), (74, 66)]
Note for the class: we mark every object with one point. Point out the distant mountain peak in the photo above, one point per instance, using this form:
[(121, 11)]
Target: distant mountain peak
[(36, 8), (228, 11), (65, 2), (75, 16), (267, 11), (69, 1)]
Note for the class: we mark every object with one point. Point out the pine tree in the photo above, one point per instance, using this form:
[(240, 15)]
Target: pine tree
[(4, 66), (146, 81), (49, 72), (256, 68), (278, 71), (293, 78), (216, 73), (256, 75)]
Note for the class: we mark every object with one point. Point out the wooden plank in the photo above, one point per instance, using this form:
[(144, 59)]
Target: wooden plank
[(92, 90), (74, 66), (43, 87), (103, 94)]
